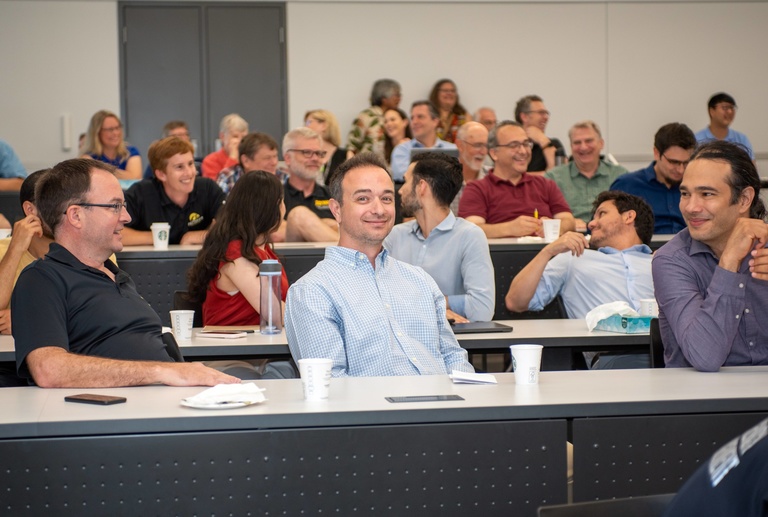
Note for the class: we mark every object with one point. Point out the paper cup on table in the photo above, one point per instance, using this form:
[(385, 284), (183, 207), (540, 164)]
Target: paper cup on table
[(551, 229), (181, 322), (526, 361), (160, 234), (649, 307), (315, 378)]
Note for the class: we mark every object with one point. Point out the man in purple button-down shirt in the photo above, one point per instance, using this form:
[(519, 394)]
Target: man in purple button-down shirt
[(712, 278)]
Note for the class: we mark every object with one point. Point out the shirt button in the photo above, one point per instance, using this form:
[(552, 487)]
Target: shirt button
[(746, 310), (737, 316), (386, 305), (741, 286), (399, 334), (751, 343)]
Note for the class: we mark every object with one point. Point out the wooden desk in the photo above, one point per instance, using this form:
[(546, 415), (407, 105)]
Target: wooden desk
[(635, 432), (560, 338)]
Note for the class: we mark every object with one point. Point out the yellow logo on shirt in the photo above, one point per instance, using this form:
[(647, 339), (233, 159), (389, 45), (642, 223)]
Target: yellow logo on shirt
[(195, 219), (321, 204)]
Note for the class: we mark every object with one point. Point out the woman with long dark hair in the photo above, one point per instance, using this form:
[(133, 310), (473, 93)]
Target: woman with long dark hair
[(445, 98), (225, 276), (397, 128)]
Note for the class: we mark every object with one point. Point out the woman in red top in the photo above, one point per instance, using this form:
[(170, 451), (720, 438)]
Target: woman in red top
[(225, 275), (452, 114)]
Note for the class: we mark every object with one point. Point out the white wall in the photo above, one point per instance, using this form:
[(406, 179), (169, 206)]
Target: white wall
[(630, 66)]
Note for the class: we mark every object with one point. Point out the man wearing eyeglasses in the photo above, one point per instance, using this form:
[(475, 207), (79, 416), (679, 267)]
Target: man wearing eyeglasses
[(308, 217), (722, 110), (533, 115), (77, 319), (472, 141), (659, 183), (509, 202), (588, 174), (176, 195)]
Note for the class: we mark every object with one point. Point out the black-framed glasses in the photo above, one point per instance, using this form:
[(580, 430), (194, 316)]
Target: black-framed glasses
[(515, 145), (307, 153), (117, 208), (479, 146), (676, 163)]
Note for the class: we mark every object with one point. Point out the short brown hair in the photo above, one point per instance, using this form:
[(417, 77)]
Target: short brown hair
[(164, 149), (251, 143)]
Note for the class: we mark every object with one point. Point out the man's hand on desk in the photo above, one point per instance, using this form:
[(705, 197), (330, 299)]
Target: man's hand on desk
[(457, 318), (5, 321), (192, 374)]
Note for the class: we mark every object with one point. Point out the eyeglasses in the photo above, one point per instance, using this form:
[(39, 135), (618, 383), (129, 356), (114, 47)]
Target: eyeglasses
[(676, 163), (447, 90), (728, 107), (543, 113), (517, 145), (307, 153), (479, 146), (117, 208), (112, 129)]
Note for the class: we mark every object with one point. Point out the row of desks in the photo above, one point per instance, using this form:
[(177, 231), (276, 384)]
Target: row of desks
[(561, 338), (500, 451)]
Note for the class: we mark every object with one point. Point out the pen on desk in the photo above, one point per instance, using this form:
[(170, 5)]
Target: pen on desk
[(535, 213)]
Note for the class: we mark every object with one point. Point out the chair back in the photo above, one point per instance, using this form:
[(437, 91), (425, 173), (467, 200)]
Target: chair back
[(181, 302), (642, 506), (657, 347), (172, 347)]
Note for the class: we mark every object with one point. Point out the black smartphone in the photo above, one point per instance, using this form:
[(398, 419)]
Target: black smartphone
[(101, 400), (424, 398)]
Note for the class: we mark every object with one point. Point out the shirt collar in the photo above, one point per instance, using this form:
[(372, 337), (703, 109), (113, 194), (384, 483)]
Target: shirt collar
[(165, 200), (353, 258), (60, 254), (637, 248), (445, 225), (497, 180), (601, 169)]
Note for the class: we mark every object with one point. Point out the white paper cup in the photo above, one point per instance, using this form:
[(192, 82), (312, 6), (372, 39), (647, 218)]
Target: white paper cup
[(5, 232), (315, 378), (181, 322), (649, 307), (551, 229), (160, 234), (526, 361)]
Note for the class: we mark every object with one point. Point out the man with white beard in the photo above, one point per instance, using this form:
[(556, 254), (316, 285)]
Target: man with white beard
[(472, 141)]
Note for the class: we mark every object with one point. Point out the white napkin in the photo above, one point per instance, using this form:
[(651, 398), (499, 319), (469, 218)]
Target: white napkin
[(607, 310), (246, 392), (472, 378)]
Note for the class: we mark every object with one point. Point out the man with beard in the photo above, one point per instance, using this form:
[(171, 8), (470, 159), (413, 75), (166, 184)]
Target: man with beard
[(712, 277), (659, 183), (453, 251), (587, 174), (472, 141), (371, 314), (308, 217), (614, 266)]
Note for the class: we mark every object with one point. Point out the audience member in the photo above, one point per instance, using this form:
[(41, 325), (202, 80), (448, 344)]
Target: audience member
[(176, 195), (98, 331), (232, 129), (12, 172), (472, 141), (367, 133), (104, 142), (587, 174), (371, 314), (453, 251), (509, 202), (486, 116), (722, 110), (424, 123), (177, 128), (452, 114), (325, 124), (258, 152), (711, 277), (308, 216), (616, 268), (397, 129), (533, 115), (659, 183)]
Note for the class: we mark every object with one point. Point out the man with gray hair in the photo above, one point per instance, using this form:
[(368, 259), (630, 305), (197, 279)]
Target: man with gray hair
[(472, 141), (308, 217), (486, 116), (533, 115), (231, 130), (367, 133)]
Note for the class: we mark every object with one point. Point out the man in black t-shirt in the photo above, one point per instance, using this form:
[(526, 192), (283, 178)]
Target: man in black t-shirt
[(533, 115), (176, 195)]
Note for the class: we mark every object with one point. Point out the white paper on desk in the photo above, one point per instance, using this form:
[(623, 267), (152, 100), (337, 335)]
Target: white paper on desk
[(247, 393), (607, 310), (472, 378)]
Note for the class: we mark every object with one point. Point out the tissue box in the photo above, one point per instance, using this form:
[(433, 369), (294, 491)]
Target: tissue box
[(626, 324)]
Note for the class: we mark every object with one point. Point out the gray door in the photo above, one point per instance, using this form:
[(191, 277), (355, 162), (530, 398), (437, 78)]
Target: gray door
[(199, 62)]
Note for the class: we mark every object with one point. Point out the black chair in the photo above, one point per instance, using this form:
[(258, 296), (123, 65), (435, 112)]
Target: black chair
[(8, 377), (181, 302), (172, 347), (643, 506), (657, 347)]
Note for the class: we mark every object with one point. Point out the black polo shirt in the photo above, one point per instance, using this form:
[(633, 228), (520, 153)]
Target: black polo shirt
[(59, 301), (317, 201), (148, 203)]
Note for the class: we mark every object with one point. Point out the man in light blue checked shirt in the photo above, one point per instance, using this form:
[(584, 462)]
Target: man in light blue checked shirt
[(371, 314)]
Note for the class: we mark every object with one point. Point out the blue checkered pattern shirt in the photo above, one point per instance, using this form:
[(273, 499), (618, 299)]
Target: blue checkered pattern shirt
[(371, 322)]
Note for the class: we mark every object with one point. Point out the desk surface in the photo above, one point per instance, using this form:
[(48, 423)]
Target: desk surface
[(550, 333), (32, 411)]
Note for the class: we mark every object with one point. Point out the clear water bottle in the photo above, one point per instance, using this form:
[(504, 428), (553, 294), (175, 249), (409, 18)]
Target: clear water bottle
[(270, 308)]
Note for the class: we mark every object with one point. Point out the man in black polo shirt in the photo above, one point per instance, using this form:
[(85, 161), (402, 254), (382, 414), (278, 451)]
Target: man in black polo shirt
[(176, 195), (307, 215), (77, 319)]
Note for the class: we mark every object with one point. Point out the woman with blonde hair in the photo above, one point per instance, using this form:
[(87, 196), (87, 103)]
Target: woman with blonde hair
[(325, 124), (104, 142)]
